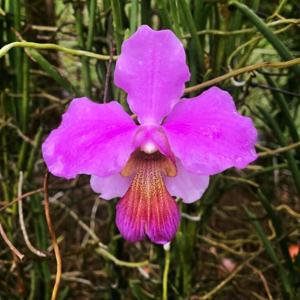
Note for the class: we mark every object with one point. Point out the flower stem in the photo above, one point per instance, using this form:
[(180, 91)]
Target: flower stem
[(166, 271), (106, 254)]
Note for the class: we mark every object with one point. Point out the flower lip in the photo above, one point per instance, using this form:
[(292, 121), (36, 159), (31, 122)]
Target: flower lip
[(147, 208)]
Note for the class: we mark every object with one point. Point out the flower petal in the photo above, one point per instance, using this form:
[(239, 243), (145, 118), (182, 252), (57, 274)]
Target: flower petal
[(186, 185), (110, 186), (137, 218), (91, 139), (147, 209), (164, 221), (208, 135), (152, 70)]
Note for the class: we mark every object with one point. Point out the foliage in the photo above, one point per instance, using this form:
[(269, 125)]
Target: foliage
[(58, 50)]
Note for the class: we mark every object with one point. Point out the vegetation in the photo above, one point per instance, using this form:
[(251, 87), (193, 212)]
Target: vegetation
[(239, 241)]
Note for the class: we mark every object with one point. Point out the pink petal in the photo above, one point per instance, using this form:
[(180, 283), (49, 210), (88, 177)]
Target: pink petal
[(152, 70), (186, 185), (164, 221), (110, 186), (91, 139), (147, 208), (137, 218), (208, 135)]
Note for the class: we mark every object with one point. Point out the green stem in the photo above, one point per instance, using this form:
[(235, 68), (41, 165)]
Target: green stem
[(84, 60), (146, 12), (166, 272), (106, 254), (47, 46), (240, 31), (175, 16), (25, 95), (278, 9), (117, 21), (18, 54), (281, 101), (188, 19), (221, 42), (91, 26), (133, 16)]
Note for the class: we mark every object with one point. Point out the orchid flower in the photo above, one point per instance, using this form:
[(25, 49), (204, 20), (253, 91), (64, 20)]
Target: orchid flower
[(172, 149)]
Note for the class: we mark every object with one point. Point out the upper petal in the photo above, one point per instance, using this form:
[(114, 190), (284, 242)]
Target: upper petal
[(152, 70), (91, 139), (208, 135)]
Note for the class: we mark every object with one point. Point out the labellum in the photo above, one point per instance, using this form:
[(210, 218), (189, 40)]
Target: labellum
[(147, 208)]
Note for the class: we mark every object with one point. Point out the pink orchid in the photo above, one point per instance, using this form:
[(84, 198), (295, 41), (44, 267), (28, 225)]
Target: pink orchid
[(176, 146)]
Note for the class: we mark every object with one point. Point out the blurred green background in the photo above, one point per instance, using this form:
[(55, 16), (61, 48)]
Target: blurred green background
[(240, 241)]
